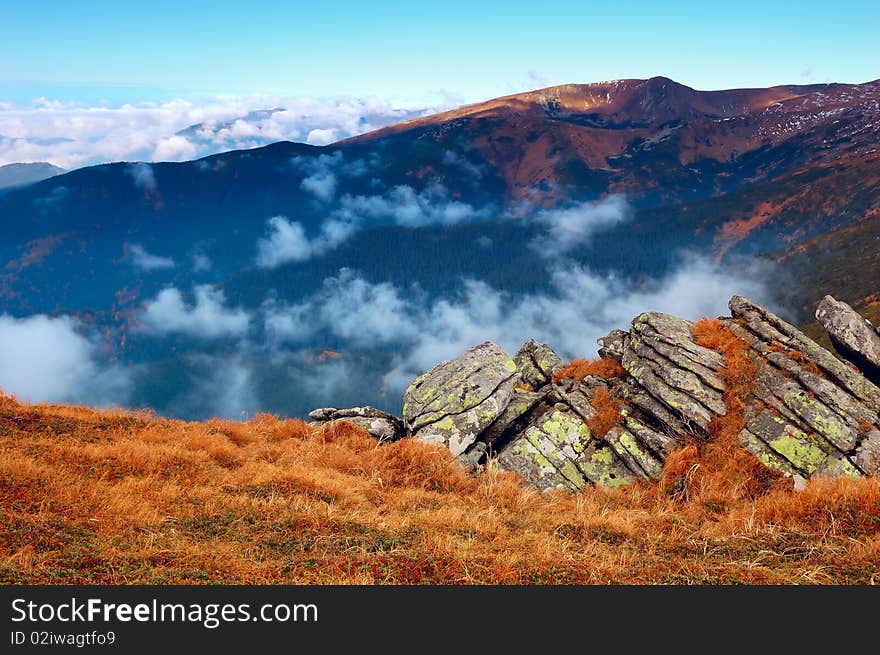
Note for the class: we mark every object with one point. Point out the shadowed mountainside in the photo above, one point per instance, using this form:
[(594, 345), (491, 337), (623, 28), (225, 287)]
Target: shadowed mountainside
[(790, 174)]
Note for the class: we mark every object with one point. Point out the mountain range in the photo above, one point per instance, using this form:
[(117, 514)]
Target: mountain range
[(626, 179)]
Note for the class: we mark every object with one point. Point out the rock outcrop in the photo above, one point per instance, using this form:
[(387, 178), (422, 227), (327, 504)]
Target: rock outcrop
[(802, 411)]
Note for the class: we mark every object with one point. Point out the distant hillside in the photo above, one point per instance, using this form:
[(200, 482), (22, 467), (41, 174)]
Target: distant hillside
[(423, 211), (13, 175), (652, 139)]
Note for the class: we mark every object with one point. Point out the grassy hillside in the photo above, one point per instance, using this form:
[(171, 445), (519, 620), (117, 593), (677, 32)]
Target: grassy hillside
[(120, 498)]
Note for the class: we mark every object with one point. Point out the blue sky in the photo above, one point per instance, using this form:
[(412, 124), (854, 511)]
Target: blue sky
[(472, 50)]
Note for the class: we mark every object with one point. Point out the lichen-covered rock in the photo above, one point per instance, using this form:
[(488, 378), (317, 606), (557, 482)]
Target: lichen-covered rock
[(558, 451), (521, 405), (853, 336), (555, 447), (381, 425), (802, 411), (536, 362), (807, 408), (663, 358), (454, 402), (613, 344), (772, 330)]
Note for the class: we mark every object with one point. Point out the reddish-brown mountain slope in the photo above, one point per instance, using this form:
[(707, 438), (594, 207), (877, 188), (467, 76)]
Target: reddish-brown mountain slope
[(653, 139)]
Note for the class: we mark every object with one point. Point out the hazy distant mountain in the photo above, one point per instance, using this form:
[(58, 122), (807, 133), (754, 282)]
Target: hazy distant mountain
[(431, 205), (13, 175), (206, 130)]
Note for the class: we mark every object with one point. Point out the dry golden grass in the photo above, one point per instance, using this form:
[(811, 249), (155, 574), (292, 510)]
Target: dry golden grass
[(119, 498), (607, 413)]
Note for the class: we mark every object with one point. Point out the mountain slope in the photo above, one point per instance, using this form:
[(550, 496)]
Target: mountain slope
[(652, 139), (433, 206)]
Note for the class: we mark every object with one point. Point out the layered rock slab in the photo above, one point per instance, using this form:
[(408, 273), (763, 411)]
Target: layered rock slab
[(805, 412), (454, 402)]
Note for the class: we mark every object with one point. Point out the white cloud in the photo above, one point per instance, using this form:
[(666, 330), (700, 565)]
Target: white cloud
[(143, 176), (71, 134), (46, 358), (146, 261), (322, 137), (323, 172), (322, 185), (175, 148), (364, 315), (571, 227), (579, 307), (286, 242), (405, 206), (206, 318)]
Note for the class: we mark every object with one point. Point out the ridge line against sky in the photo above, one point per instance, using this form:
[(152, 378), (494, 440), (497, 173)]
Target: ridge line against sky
[(471, 51), (100, 81)]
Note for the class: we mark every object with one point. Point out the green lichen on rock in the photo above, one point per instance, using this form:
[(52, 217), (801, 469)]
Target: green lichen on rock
[(821, 419), (521, 457), (603, 467), (634, 453), (457, 400), (765, 455), (800, 452), (536, 363)]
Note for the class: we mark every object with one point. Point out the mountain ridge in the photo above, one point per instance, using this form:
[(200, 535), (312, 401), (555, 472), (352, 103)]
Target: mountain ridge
[(432, 206)]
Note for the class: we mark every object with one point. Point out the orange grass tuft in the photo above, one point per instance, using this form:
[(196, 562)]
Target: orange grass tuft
[(607, 413), (578, 369), (720, 471)]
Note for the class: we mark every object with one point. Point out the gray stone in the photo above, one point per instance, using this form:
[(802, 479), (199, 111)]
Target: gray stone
[(769, 327), (558, 451), (537, 362), (853, 336), (381, 425), (454, 402), (613, 344)]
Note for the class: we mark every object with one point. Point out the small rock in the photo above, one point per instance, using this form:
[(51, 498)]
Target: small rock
[(537, 362), (613, 344), (382, 425)]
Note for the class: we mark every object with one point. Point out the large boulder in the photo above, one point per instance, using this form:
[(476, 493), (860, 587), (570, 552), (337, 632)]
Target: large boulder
[(853, 336), (805, 412), (454, 402), (381, 425), (556, 448), (663, 358)]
